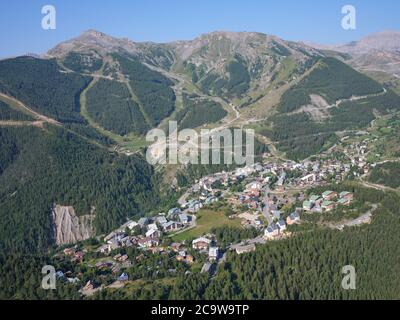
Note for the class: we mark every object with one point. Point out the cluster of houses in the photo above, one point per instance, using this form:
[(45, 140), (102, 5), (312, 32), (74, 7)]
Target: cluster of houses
[(207, 245), (146, 232), (328, 201), (278, 229), (263, 191)]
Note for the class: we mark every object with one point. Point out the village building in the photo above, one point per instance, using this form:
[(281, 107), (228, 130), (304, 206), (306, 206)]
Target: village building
[(174, 211), (329, 195), (153, 233), (346, 195), (148, 242), (328, 205), (213, 253), (344, 202), (271, 232), (211, 200), (201, 243), (143, 222), (152, 226), (184, 218), (245, 249), (161, 220), (123, 277), (282, 225), (307, 205), (171, 226), (194, 206), (293, 218)]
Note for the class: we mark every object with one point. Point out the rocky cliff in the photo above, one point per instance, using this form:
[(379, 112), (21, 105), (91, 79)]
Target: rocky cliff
[(69, 228)]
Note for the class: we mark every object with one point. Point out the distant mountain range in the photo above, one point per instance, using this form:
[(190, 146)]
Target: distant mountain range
[(376, 52)]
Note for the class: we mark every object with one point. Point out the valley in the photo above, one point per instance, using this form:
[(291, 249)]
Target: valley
[(77, 192)]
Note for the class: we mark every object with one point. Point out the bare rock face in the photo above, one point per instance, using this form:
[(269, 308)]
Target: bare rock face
[(69, 228)]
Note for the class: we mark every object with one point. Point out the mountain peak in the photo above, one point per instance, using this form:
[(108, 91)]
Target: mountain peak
[(92, 40)]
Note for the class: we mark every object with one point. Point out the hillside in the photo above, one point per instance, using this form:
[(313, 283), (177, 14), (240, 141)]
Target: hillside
[(99, 94), (333, 98), (40, 168)]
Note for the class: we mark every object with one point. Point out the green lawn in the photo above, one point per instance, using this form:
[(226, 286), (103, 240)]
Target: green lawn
[(207, 220)]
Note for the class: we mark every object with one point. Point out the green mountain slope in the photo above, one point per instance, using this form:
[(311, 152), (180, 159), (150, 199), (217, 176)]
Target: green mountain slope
[(43, 167), (331, 99), (39, 84)]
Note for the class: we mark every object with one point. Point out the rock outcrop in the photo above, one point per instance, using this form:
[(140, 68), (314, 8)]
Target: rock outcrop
[(69, 228)]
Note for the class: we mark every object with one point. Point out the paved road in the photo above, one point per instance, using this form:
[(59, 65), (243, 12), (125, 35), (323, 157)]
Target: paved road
[(363, 219)]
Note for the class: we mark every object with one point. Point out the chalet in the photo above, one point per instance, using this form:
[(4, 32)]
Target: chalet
[(176, 246), (271, 232), (246, 249), (315, 199), (69, 251), (344, 202), (171, 226), (254, 186), (143, 222), (184, 218), (346, 195), (182, 253), (78, 256), (123, 258), (328, 205), (293, 218), (123, 277), (148, 242), (201, 243), (132, 225), (126, 242), (152, 226), (180, 258), (282, 225), (308, 205), (194, 205), (174, 211), (161, 220), (213, 253), (153, 233), (329, 195), (211, 200)]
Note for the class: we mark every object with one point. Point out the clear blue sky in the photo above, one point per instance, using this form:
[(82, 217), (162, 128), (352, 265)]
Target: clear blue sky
[(167, 20)]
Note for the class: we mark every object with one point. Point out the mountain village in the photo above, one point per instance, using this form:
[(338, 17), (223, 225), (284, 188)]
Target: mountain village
[(271, 197)]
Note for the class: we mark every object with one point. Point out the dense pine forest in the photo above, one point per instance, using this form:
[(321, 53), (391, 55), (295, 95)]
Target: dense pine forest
[(110, 104), (331, 79), (40, 168), (43, 87), (8, 113), (152, 89), (387, 174), (195, 113)]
